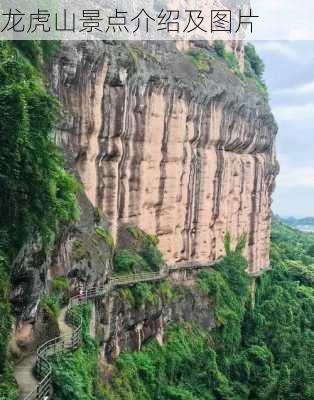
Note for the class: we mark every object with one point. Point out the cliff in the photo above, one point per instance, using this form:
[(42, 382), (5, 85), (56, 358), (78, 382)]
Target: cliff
[(165, 144), (175, 140)]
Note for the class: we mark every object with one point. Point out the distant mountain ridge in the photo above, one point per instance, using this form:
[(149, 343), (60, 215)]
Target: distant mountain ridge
[(303, 224), (298, 221)]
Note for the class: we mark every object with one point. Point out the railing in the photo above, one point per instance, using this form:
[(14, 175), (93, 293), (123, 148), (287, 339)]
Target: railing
[(43, 390), (193, 265), (137, 278)]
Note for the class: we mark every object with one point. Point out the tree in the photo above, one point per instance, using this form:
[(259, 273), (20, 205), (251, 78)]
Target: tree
[(254, 60)]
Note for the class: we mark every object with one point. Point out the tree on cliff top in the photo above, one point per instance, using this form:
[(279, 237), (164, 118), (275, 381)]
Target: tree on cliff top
[(254, 60)]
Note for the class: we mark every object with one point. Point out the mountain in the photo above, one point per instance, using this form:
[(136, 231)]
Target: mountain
[(137, 177), (171, 141), (304, 224)]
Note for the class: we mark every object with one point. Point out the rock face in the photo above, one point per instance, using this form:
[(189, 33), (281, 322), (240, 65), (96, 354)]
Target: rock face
[(123, 326), (183, 154), (77, 253)]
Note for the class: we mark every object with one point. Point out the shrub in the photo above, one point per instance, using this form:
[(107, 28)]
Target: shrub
[(136, 232), (200, 59), (254, 60), (254, 68), (5, 311), (36, 192), (219, 47), (144, 293), (39, 53), (145, 254), (60, 284), (80, 313), (60, 287), (151, 254), (51, 306), (8, 387), (231, 61), (228, 56), (128, 261), (105, 234), (98, 215), (74, 374), (310, 251), (167, 291)]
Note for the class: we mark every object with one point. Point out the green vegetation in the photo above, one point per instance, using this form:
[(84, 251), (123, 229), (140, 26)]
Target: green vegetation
[(60, 284), (254, 353), (135, 232), (259, 351), (150, 293), (143, 254), (74, 374), (144, 293), (50, 304), (98, 215), (150, 253), (255, 62), (39, 53), (36, 192), (254, 68), (200, 59), (128, 261), (5, 320), (60, 287), (219, 47), (8, 390), (105, 234), (228, 56)]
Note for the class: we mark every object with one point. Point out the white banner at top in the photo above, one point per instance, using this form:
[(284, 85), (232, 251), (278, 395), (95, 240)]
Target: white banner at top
[(157, 20)]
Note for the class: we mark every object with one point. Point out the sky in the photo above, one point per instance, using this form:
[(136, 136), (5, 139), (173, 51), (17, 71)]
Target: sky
[(289, 75)]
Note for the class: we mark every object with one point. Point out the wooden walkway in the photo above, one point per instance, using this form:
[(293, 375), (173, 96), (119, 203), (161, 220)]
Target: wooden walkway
[(71, 337)]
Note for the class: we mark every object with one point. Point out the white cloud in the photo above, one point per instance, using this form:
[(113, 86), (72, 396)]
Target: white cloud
[(283, 20), (279, 48), (301, 33), (295, 112), (301, 90), (296, 176), (293, 174)]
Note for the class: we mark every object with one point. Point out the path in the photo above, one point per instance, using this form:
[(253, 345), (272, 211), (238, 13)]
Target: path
[(24, 370), (71, 338), (24, 376)]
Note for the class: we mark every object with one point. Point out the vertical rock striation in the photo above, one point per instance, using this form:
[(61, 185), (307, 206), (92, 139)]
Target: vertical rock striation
[(185, 155)]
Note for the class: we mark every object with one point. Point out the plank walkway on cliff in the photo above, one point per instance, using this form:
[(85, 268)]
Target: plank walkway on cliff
[(71, 337)]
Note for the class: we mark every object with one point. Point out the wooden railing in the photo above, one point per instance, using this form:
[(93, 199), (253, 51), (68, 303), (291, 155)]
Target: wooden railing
[(193, 265), (43, 390)]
